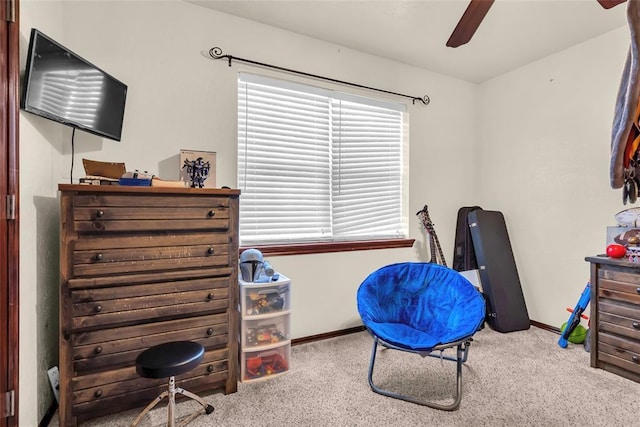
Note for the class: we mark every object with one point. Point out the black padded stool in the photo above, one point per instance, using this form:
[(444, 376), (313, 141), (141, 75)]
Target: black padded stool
[(166, 361)]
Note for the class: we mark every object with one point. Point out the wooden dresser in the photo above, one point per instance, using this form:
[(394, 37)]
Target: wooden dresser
[(615, 316), (140, 266)]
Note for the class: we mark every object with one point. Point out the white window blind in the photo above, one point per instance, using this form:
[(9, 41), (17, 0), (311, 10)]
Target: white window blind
[(317, 165)]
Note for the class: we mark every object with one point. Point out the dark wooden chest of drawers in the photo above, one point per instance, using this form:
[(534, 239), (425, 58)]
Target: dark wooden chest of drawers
[(615, 316), (139, 267)]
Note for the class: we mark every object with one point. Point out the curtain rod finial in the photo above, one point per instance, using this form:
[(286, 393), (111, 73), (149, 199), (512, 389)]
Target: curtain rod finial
[(425, 100), (216, 53)]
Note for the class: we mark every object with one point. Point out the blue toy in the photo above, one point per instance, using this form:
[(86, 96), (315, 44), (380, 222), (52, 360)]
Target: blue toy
[(574, 319)]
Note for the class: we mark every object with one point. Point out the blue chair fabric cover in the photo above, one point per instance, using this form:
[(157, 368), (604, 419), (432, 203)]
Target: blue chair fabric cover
[(418, 306), (421, 308)]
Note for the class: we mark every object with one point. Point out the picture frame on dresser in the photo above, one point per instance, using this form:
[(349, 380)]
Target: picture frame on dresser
[(198, 168)]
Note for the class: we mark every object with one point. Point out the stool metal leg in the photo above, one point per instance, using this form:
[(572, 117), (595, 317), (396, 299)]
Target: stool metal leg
[(171, 407), (207, 408), (149, 407)]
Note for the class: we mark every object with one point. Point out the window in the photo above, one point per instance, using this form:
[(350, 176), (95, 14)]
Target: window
[(318, 166)]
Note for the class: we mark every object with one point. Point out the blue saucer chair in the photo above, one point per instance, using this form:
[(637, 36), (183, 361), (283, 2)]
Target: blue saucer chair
[(421, 308)]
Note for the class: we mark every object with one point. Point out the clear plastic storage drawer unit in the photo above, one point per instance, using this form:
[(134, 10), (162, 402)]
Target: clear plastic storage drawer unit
[(265, 341)]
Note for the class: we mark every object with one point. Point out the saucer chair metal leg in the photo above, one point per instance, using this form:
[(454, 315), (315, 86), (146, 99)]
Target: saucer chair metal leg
[(461, 356)]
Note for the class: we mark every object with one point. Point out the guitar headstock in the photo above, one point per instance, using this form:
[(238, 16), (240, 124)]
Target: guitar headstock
[(424, 214)]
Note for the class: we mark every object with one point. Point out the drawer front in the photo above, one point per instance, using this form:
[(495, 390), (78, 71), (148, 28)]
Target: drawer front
[(96, 213), (98, 243), (619, 325), (616, 315), (149, 200), (106, 306), (619, 356), (620, 291), (113, 261), (120, 347), (123, 281), (130, 254), (619, 343), (628, 275), (619, 308), (118, 382), (103, 294)]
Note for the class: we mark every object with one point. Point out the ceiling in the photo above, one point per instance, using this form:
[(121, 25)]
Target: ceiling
[(514, 32)]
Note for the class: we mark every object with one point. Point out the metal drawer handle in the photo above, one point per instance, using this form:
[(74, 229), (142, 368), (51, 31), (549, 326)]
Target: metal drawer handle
[(98, 257), (210, 296), (98, 308), (210, 251), (635, 359), (635, 325), (100, 214), (210, 368), (638, 290), (98, 393), (98, 350), (210, 331), (212, 213)]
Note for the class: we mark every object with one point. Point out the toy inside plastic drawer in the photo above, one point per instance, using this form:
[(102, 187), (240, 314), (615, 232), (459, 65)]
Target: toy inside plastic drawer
[(266, 299), (266, 332), (264, 364)]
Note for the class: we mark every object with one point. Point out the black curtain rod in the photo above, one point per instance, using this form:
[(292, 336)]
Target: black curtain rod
[(216, 53)]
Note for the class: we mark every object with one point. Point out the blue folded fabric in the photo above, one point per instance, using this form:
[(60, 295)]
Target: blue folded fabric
[(418, 306)]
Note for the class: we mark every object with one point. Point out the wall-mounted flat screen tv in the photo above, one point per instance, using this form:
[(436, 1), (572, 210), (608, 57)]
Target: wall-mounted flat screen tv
[(62, 86)]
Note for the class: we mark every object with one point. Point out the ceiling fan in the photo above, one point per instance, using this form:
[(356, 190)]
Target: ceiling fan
[(477, 10)]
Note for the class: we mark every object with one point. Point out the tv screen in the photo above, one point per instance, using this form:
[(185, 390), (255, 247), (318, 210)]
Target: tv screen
[(61, 86)]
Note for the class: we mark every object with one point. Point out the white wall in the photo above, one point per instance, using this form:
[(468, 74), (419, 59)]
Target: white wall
[(545, 138), (41, 151), (177, 99)]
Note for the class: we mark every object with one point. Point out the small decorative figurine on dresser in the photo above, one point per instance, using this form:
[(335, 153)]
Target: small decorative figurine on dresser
[(198, 171)]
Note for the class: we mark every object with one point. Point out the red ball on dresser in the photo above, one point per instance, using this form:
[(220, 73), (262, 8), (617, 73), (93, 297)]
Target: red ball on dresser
[(616, 250)]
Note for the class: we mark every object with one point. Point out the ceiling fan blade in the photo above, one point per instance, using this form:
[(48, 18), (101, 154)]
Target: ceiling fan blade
[(469, 23), (608, 4)]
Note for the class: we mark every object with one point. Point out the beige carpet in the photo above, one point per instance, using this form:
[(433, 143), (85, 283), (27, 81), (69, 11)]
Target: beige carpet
[(519, 378)]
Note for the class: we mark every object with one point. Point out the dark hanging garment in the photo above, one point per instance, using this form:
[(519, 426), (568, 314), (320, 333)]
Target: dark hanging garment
[(464, 256), (506, 307)]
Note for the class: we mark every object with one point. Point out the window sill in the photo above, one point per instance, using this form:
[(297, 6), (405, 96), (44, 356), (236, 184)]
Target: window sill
[(326, 247)]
